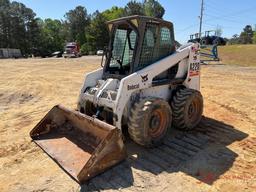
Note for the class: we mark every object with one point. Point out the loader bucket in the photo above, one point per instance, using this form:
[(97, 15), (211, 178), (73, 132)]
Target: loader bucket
[(83, 146)]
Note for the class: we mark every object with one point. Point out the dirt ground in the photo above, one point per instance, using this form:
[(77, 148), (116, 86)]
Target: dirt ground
[(219, 155)]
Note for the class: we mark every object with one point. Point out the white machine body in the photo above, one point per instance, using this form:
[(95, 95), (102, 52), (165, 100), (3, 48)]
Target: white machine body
[(118, 95)]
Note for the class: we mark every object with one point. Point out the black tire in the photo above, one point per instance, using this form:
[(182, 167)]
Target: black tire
[(187, 107), (149, 121), (203, 42), (217, 41)]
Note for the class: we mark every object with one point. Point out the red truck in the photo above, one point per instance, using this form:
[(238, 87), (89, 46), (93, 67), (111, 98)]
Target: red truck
[(72, 49)]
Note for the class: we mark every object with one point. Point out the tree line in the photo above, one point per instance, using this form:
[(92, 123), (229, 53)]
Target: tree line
[(21, 29), (247, 36)]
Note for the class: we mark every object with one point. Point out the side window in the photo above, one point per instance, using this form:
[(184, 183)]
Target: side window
[(148, 46), (129, 49), (149, 38), (165, 36), (118, 47), (157, 43), (166, 42), (133, 37)]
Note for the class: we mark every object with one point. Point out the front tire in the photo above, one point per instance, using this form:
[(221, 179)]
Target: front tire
[(187, 107), (149, 121)]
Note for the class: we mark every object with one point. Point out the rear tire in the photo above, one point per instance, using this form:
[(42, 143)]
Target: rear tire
[(203, 42), (217, 42), (149, 121), (187, 107)]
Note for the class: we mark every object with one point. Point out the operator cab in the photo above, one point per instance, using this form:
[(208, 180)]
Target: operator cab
[(136, 42)]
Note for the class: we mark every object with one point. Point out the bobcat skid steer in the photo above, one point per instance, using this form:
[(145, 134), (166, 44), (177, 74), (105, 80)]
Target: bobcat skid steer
[(145, 86)]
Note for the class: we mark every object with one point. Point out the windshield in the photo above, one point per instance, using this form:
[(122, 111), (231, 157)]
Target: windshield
[(122, 50), (70, 47)]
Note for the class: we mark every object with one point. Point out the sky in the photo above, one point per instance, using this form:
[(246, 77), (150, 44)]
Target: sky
[(230, 15)]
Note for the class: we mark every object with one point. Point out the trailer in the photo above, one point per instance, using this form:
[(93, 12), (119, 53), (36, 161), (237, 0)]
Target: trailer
[(10, 53), (209, 53)]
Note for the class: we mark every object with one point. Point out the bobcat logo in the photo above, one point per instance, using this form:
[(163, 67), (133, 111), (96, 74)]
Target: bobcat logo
[(144, 78)]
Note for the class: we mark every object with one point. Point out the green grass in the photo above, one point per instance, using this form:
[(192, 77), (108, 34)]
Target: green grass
[(243, 55)]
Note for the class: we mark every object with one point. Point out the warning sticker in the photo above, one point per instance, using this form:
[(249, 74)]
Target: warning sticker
[(194, 69)]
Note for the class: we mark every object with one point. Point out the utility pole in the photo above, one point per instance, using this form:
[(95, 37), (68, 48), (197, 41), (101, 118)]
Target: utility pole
[(201, 18)]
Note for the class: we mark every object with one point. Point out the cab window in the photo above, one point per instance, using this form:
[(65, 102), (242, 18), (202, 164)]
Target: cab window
[(158, 43)]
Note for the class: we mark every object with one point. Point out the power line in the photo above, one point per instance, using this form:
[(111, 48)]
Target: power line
[(213, 17), (231, 17), (189, 27), (208, 24), (218, 9), (232, 14)]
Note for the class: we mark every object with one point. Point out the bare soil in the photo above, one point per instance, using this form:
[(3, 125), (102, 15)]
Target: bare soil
[(219, 155)]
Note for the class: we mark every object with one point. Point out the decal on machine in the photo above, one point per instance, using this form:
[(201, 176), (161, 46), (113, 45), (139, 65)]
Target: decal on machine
[(194, 69), (144, 78), (131, 87)]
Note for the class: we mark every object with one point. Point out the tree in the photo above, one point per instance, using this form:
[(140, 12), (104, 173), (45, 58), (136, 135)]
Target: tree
[(247, 35), (113, 13), (77, 21), (4, 23), (133, 8), (254, 37), (153, 8), (97, 36), (234, 40), (52, 38), (18, 26)]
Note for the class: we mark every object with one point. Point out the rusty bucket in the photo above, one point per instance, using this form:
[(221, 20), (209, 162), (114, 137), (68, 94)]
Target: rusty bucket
[(83, 146)]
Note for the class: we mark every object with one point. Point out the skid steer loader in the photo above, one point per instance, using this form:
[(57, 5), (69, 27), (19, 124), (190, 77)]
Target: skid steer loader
[(145, 86)]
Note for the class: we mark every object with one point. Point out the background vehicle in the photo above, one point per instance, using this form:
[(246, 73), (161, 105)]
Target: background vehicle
[(57, 54), (194, 38), (146, 86), (41, 53), (72, 50), (100, 52), (209, 38)]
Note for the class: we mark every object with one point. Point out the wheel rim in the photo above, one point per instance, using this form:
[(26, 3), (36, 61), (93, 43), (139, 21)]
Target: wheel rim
[(194, 110), (157, 123)]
